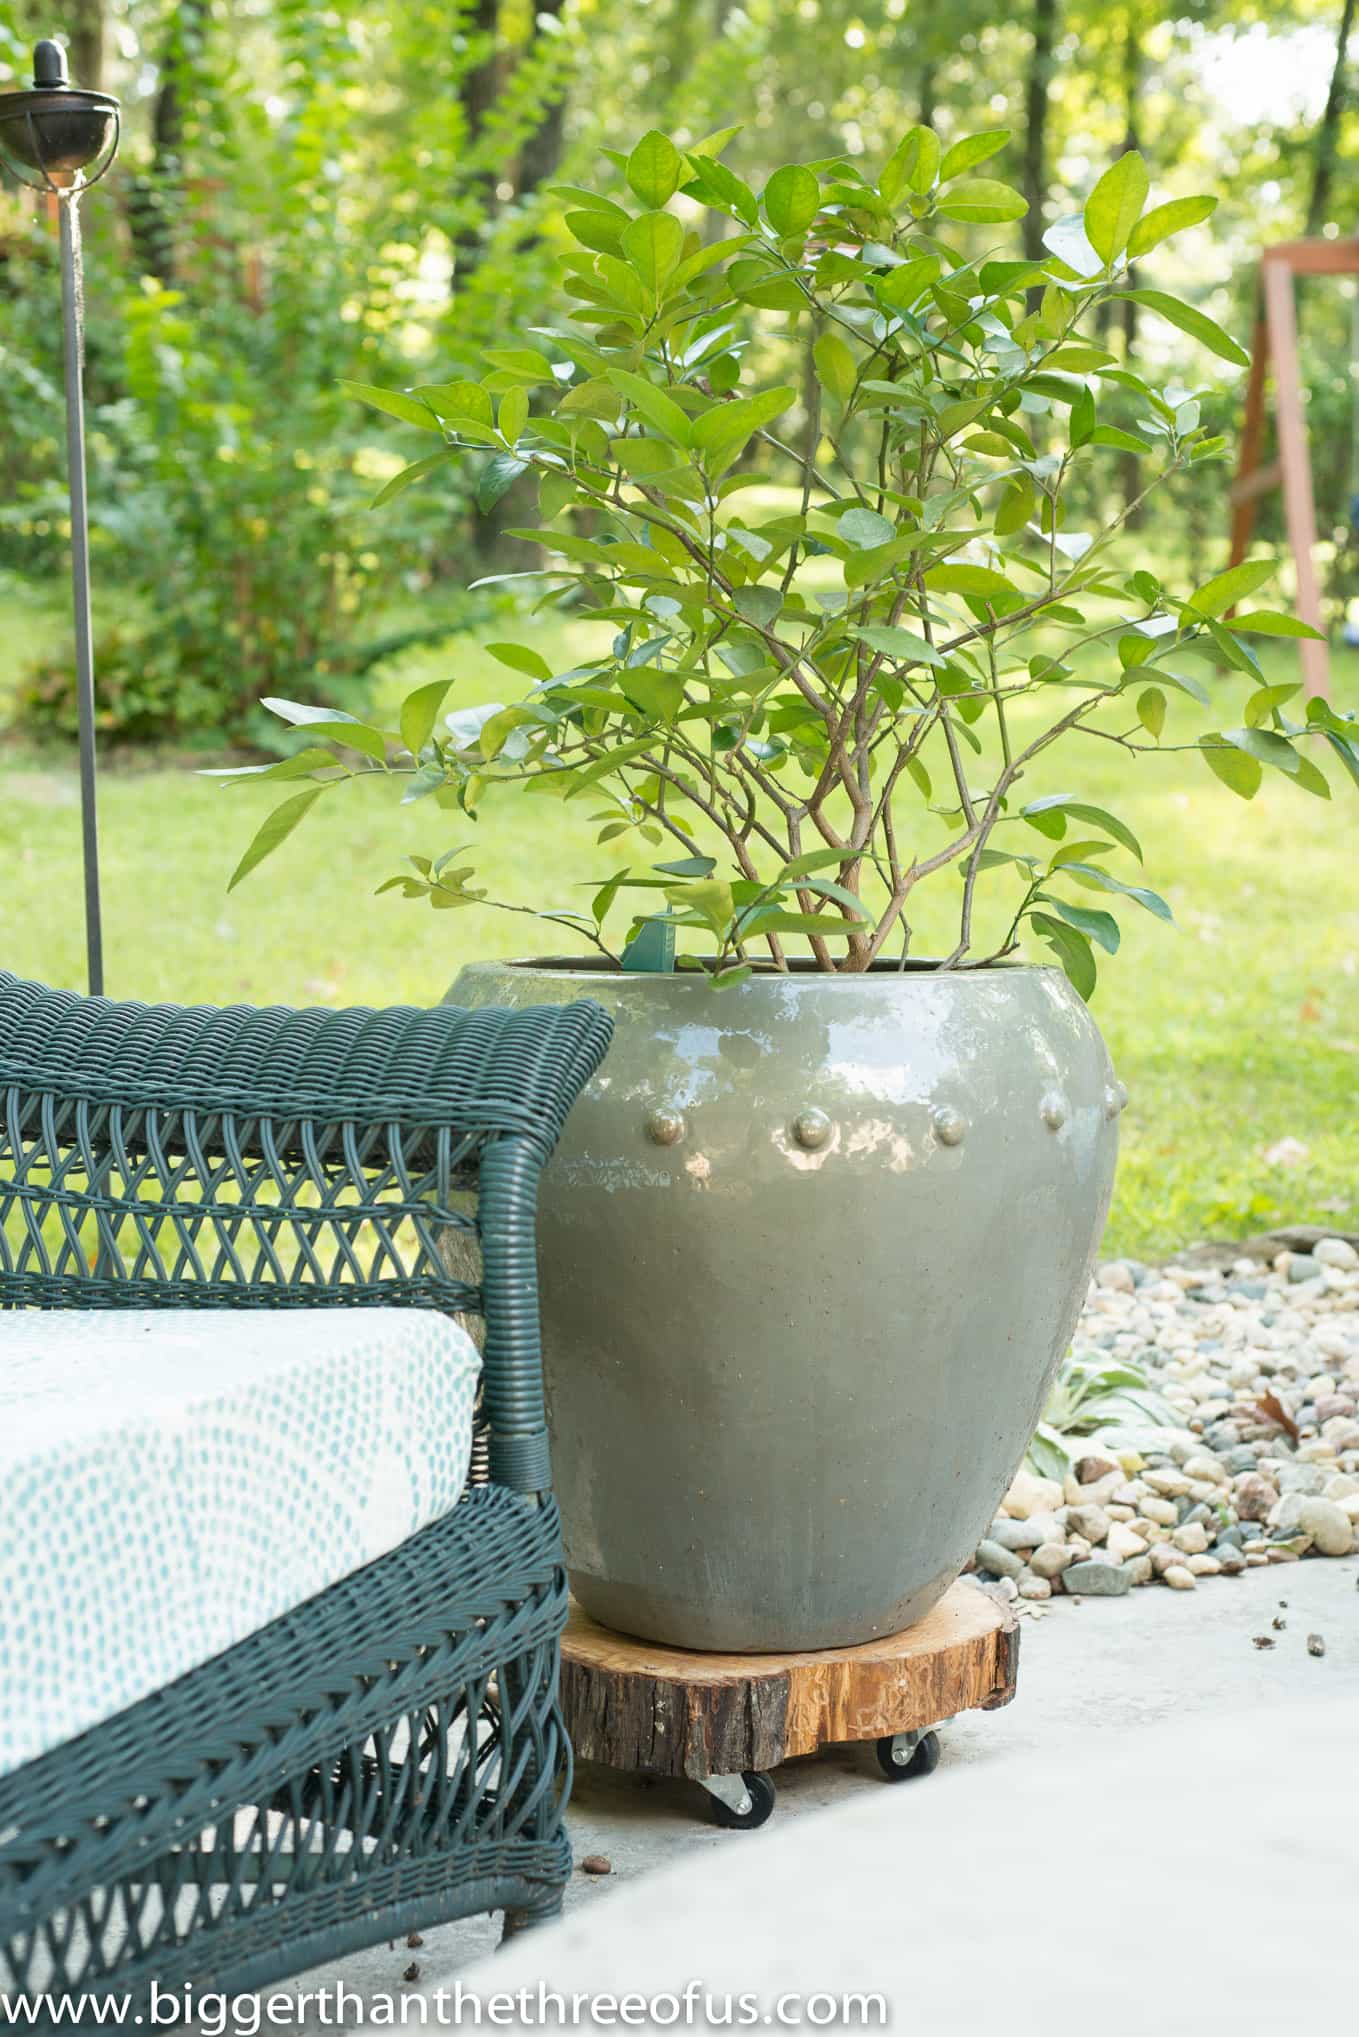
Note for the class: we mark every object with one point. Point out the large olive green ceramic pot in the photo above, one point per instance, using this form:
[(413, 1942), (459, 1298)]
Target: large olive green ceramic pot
[(811, 1248)]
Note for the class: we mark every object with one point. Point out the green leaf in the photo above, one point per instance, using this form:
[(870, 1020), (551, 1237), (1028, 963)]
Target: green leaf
[(1114, 206), (1060, 804), (656, 407), (501, 472), (722, 433), (659, 695), (1164, 220), (911, 165), (1220, 593), (1240, 773), (1122, 441), (276, 829), (1095, 874), (513, 414), (1072, 949), (419, 712), (982, 200), (965, 579), (302, 764), (1196, 323), (654, 169), (1347, 749), (415, 472), (824, 888), (1265, 700), (1090, 921), (835, 366), (459, 401), (1151, 711), (792, 198), (1311, 779), (355, 735), (300, 714), (901, 287), (520, 658), (523, 361), (395, 403), (971, 150), (1082, 427), (864, 528), (900, 644), (1018, 500), (1266, 746), (1267, 622), (653, 244)]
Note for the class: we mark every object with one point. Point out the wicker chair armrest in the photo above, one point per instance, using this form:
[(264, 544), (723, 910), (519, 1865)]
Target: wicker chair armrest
[(488, 1071)]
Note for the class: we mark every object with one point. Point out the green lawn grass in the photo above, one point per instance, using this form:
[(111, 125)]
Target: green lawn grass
[(1235, 1031)]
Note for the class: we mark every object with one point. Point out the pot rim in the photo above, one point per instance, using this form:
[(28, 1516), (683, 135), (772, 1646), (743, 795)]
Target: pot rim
[(596, 969)]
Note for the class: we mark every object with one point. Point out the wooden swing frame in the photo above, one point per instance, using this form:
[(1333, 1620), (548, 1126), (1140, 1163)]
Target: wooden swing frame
[(1275, 342)]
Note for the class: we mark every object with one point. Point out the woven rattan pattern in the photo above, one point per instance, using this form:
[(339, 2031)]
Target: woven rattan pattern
[(390, 1754)]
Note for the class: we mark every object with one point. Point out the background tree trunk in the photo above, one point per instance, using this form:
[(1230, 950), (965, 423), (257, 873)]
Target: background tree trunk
[(542, 152), (1328, 132), (477, 93), (1035, 178), (155, 197), (85, 20)]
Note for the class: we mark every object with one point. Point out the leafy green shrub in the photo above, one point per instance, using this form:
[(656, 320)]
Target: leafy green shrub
[(827, 700)]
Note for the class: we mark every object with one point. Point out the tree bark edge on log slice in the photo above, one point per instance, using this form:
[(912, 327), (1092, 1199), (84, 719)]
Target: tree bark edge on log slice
[(637, 1706)]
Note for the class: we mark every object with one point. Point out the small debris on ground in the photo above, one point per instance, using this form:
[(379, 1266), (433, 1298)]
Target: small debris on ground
[(412, 1971), (1316, 1644), (596, 1863), (415, 1941), (1263, 1640), (1278, 1623)]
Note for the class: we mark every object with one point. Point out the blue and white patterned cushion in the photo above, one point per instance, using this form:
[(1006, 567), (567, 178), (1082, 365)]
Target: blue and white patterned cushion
[(172, 1480)]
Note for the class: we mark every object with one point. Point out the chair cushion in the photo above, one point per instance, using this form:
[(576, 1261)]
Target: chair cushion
[(171, 1480)]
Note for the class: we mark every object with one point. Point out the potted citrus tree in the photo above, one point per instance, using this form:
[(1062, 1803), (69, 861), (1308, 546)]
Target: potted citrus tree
[(818, 1234)]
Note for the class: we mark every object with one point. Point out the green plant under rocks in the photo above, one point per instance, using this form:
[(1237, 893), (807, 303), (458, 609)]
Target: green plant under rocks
[(804, 457)]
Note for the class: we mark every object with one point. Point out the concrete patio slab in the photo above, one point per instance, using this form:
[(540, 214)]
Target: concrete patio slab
[(1115, 1668)]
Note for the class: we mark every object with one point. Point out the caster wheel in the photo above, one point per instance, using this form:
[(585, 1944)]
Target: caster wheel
[(923, 1760), (761, 1793)]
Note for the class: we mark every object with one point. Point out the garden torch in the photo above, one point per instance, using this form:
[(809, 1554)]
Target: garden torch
[(55, 137)]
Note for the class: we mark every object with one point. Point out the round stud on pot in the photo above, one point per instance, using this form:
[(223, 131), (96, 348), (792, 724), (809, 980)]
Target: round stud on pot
[(1052, 1110), (812, 1128), (665, 1126), (949, 1127), (1115, 1099)]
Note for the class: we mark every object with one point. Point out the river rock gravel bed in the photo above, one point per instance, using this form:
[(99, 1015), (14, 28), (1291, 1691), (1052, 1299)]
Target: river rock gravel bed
[(1259, 1362)]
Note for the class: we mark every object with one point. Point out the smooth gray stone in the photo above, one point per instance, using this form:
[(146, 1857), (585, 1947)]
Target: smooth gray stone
[(1093, 1579)]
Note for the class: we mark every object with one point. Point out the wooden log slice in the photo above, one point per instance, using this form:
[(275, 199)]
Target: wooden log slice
[(668, 1711)]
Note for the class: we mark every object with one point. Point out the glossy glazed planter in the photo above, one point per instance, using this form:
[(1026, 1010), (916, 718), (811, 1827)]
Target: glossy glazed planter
[(812, 1248)]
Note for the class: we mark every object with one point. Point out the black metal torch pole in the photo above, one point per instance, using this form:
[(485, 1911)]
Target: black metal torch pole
[(58, 138), (73, 323)]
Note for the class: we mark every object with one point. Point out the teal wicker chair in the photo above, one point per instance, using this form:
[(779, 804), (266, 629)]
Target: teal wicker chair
[(388, 1754)]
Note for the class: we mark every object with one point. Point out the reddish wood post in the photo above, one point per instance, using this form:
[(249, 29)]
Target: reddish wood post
[(1295, 465), (1276, 341)]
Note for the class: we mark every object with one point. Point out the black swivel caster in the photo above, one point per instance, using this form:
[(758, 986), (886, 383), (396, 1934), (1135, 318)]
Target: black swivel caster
[(902, 1762), (741, 1803)]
